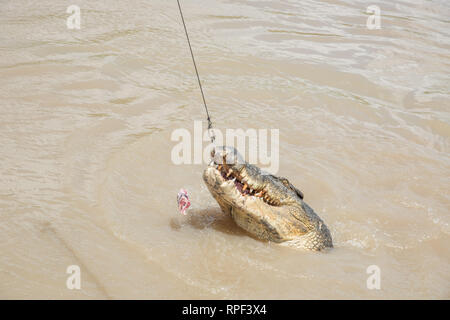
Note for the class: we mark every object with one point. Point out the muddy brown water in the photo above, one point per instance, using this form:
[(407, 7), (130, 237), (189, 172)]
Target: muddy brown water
[(86, 176)]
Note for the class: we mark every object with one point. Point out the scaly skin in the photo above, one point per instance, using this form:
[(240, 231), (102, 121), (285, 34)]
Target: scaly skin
[(267, 206)]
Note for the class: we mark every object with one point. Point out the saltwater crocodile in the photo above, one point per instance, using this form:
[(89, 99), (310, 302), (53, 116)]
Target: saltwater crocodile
[(267, 206)]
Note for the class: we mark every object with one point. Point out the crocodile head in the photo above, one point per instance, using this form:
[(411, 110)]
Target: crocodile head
[(267, 206)]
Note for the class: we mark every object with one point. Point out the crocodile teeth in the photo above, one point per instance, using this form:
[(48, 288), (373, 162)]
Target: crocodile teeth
[(245, 187)]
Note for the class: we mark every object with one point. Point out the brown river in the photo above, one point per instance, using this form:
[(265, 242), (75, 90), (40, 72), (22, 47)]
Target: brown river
[(87, 176)]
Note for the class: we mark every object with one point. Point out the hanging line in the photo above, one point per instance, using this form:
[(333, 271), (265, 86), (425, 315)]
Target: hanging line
[(210, 131)]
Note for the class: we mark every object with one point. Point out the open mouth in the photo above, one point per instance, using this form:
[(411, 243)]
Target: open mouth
[(244, 186)]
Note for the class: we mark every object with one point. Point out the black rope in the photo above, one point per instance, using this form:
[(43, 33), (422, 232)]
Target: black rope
[(198, 77)]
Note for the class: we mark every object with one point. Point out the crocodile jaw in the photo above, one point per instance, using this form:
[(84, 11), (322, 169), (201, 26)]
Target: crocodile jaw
[(227, 194), (267, 206)]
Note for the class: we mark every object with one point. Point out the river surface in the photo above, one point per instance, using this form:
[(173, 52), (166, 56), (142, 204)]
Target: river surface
[(87, 176)]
